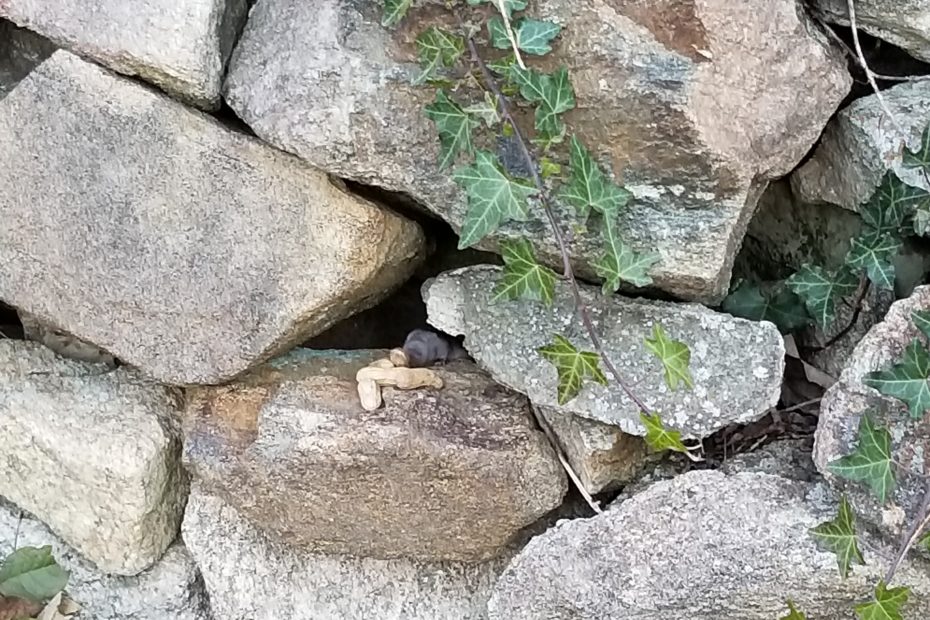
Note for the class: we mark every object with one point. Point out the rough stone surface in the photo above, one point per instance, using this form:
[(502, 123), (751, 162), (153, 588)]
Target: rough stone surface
[(448, 474), (62, 343), (848, 399), (172, 588), (179, 45), (185, 249), (695, 104), (20, 52), (602, 455), (703, 546), (737, 365), (252, 577), (860, 144), (905, 23), (93, 452), (788, 458)]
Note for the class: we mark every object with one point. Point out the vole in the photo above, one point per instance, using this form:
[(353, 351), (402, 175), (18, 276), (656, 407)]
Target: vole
[(426, 348)]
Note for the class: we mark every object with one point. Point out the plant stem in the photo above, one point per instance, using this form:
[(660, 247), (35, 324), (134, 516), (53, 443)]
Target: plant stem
[(921, 521), (567, 271)]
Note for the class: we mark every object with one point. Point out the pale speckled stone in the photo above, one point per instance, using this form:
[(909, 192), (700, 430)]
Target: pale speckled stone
[(696, 105), (183, 248), (180, 45), (848, 399), (252, 577), (905, 23), (860, 144), (20, 52), (737, 365), (703, 546), (93, 452), (170, 589)]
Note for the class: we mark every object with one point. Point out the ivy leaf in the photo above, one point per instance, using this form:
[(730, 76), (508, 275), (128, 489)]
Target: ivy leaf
[(781, 307), (660, 438), (893, 200), (486, 110), (394, 11), (793, 613), (920, 158), (620, 262), (523, 276), (874, 251), (906, 380), (589, 188), (503, 66), (921, 319), (31, 573), (533, 36), (839, 536), (573, 366), (885, 604), (819, 290), (437, 48), (510, 6), (552, 94), (674, 355), (871, 461), (454, 126), (493, 197)]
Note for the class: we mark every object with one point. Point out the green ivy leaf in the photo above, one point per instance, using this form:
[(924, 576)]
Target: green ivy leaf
[(781, 306), (493, 197), (511, 6), (885, 604), (503, 66), (888, 208), (921, 319), (674, 355), (552, 94), (394, 11), (533, 36), (573, 366), (919, 159), (549, 168), (523, 276), (907, 380), (620, 262), (589, 188), (871, 461), (839, 536), (793, 613), (820, 289), (874, 251), (454, 126), (31, 573), (486, 110), (437, 49), (660, 438)]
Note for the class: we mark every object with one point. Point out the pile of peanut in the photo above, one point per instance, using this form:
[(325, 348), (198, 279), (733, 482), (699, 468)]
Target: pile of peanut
[(392, 371)]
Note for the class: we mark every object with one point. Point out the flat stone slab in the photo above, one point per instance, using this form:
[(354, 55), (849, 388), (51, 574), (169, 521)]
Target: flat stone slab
[(95, 453), (849, 399), (703, 546), (183, 248), (694, 105), (737, 365), (250, 576), (905, 23), (171, 588), (179, 45), (435, 474), (21, 51)]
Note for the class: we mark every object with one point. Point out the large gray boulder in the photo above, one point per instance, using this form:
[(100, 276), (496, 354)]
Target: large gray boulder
[(183, 248), (849, 399), (93, 452), (251, 576), (20, 52), (436, 474), (861, 143), (179, 45), (171, 588), (695, 107), (905, 23), (737, 365), (702, 546)]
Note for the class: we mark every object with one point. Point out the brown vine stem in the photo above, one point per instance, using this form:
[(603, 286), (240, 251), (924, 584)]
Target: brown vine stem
[(921, 521), (567, 271)]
